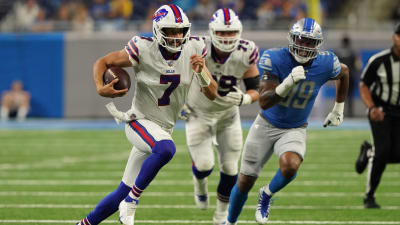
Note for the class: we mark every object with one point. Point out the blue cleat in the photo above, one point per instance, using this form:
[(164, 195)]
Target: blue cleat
[(264, 203)]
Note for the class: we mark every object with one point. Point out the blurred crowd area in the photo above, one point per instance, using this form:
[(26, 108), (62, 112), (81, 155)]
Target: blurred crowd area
[(113, 15)]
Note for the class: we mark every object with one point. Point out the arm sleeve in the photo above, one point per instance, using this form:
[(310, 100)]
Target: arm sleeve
[(133, 50)]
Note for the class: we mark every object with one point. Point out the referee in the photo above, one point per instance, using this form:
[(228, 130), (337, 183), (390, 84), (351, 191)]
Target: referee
[(379, 90)]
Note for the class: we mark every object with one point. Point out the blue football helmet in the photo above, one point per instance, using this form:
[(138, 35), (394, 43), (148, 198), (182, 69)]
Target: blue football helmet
[(305, 40)]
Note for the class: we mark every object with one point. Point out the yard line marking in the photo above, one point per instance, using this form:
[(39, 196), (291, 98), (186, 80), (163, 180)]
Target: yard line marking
[(184, 194), (78, 206), (210, 222), (173, 182)]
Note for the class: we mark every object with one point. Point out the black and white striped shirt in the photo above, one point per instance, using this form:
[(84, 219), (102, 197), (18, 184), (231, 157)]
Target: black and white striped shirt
[(382, 76)]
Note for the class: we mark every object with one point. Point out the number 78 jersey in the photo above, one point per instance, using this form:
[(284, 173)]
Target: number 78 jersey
[(162, 84), (228, 74), (294, 110)]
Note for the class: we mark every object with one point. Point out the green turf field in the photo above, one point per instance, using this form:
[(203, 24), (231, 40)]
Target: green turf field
[(57, 177)]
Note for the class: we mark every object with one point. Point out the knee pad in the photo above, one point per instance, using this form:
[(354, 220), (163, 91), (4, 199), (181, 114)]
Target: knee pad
[(229, 168), (165, 149)]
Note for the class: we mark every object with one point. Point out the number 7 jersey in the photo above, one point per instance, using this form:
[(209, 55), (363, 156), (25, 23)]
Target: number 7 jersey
[(162, 84), (294, 110)]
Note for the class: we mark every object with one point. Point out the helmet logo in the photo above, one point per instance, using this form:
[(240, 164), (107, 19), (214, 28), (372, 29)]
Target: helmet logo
[(160, 14)]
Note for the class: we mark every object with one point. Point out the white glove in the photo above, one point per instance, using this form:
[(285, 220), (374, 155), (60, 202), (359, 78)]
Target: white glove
[(238, 97), (335, 117), (294, 77), (118, 115), (186, 113)]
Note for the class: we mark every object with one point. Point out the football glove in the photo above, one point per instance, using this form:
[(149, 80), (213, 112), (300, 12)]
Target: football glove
[(335, 117), (186, 113), (118, 115), (294, 77), (238, 97)]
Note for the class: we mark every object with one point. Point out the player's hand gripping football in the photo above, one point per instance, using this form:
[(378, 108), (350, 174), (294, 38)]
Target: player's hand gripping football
[(237, 97), (109, 91), (335, 118)]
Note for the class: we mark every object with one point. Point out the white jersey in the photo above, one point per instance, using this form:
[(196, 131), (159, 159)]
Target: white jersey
[(228, 73), (162, 84)]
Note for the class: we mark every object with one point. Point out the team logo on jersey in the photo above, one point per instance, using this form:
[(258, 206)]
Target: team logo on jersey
[(170, 71), (160, 14)]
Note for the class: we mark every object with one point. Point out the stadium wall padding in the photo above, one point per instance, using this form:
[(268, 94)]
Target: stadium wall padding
[(38, 61)]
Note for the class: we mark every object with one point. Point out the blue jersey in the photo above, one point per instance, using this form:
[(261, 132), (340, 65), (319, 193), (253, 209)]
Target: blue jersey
[(294, 110)]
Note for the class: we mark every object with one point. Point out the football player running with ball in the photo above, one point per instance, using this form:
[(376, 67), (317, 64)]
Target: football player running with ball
[(290, 83), (165, 66), (217, 123)]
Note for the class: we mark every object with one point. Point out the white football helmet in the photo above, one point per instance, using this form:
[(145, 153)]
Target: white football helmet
[(225, 20), (305, 30), (170, 16)]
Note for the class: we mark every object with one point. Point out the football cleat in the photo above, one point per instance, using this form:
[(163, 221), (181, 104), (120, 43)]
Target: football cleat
[(362, 159), (264, 203), (369, 203), (226, 222), (127, 212), (221, 212), (200, 193)]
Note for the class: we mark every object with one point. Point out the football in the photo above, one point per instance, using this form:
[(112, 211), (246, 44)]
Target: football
[(117, 72)]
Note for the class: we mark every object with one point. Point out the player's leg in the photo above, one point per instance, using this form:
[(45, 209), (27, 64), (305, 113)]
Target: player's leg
[(230, 141), (382, 145), (109, 205), (6, 103), (150, 138), (256, 152), (199, 141), (290, 147)]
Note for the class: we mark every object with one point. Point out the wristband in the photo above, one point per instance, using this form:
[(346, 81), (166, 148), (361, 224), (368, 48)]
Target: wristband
[(204, 80)]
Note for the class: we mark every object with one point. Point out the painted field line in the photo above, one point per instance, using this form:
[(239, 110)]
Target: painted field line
[(173, 182), (208, 222), (78, 206), (185, 194)]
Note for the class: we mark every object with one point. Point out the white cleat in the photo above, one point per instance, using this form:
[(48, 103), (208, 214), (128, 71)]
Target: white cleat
[(127, 212), (226, 222), (201, 193), (263, 207)]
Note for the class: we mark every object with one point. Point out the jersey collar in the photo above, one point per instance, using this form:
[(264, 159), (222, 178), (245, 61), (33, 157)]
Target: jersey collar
[(216, 58), (166, 55)]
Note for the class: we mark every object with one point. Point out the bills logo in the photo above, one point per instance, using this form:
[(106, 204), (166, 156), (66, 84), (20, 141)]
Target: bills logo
[(160, 14)]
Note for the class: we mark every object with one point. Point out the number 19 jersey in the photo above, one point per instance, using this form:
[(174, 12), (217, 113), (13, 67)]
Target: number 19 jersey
[(227, 73), (162, 83), (294, 110)]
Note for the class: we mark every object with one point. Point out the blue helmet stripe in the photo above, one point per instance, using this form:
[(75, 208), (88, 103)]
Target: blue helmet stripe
[(308, 25)]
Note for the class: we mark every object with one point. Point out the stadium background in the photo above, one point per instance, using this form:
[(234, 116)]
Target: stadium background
[(54, 171), (52, 46)]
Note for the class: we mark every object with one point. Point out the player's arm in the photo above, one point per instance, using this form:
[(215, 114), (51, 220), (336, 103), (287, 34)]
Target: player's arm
[(335, 117), (268, 96), (252, 82), (119, 59), (208, 85), (342, 83), (272, 91)]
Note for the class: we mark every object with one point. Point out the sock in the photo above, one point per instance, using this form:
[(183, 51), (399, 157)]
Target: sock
[(237, 200), (279, 182), (107, 206), (200, 174), (163, 151), (4, 113), (225, 186), (134, 194), (21, 114)]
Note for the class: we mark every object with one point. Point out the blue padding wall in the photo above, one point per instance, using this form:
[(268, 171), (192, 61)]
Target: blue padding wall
[(38, 61)]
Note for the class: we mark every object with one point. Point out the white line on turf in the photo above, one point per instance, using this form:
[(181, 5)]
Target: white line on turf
[(78, 206), (174, 182), (184, 194), (210, 222)]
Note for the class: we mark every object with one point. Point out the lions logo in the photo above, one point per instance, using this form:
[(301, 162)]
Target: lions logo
[(160, 14)]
